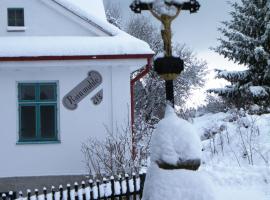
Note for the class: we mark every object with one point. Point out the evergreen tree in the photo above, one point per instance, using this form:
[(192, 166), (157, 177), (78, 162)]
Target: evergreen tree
[(247, 41)]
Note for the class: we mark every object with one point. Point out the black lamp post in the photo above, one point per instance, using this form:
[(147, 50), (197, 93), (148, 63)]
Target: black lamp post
[(168, 67)]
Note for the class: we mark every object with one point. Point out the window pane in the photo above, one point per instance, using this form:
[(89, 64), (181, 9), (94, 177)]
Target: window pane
[(11, 13), (11, 17), (27, 92), (11, 22), (47, 92), (19, 22), (19, 17), (15, 17), (28, 122), (48, 121)]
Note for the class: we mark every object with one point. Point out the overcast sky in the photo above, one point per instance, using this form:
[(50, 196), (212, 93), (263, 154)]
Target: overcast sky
[(199, 32)]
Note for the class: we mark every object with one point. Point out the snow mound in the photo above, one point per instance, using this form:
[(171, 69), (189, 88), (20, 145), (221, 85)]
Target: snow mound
[(177, 184), (174, 140)]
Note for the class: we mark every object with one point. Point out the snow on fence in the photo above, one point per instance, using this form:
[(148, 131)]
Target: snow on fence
[(122, 188)]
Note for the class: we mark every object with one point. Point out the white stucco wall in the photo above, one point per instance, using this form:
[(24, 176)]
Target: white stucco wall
[(74, 126), (45, 18)]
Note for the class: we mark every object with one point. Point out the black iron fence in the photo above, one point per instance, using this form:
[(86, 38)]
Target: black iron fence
[(113, 188)]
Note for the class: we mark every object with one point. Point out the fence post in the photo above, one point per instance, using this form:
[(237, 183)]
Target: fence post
[(36, 194), (28, 194), (142, 180), (134, 186), (68, 192), (53, 193), (45, 193), (112, 188), (121, 186), (83, 190), (98, 189), (91, 189)]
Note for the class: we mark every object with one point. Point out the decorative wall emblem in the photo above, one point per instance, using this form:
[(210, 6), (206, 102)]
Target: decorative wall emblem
[(77, 94), (97, 99)]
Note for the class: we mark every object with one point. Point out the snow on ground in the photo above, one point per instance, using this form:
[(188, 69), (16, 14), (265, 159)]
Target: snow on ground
[(235, 158), (232, 141)]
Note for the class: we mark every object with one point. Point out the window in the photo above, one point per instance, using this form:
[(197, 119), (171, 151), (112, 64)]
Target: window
[(15, 17), (37, 112)]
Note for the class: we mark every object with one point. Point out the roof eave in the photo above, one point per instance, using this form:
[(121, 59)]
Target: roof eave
[(76, 57)]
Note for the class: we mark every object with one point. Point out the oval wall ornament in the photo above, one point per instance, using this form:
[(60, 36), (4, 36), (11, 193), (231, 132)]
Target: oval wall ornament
[(97, 98), (84, 88)]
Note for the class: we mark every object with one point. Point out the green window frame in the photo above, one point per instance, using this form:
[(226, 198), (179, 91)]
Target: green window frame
[(38, 110), (15, 17)]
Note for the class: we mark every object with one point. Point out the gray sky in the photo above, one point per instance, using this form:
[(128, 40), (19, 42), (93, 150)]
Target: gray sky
[(199, 32)]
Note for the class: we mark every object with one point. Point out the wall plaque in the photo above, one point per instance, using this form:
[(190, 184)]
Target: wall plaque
[(77, 94), (97, 99)]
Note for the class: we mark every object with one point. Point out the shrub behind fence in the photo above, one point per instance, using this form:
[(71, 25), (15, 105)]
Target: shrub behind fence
[(114, 188)]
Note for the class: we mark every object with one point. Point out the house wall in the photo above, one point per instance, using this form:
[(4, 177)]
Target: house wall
[(45, 18), (88, 120)]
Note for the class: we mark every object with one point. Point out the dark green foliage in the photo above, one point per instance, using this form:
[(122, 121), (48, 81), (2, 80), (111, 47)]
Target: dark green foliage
[(246, 40)]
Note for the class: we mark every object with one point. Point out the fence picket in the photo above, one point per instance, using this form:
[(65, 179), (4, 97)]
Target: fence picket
[(105, 188), (68, 192), (127, 187), (123, 188), (10, 195), (45, 193), (4, 196), (134, 186), (76, 194), (36, 194), (83, 191), (91, 189), (20, 195), (112, 188), (61, 197), (98, 188), (53, 193), (28, 194), (142, 180)]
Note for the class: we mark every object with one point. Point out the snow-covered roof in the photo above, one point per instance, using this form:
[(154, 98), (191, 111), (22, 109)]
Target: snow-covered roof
[(121, 44), (116, 43), (86, 7)]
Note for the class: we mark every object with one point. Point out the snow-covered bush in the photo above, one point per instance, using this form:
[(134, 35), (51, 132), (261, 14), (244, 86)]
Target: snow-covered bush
[(116, 153), (214, 104), (246, 40), (236, 136)]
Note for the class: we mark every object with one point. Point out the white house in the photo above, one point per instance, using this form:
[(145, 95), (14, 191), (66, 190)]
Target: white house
[(64, 75)]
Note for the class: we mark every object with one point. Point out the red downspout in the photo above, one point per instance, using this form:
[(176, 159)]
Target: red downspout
[(132, 83)]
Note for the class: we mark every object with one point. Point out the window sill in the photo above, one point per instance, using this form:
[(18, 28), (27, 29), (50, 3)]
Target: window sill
[(38, 142), (16, 28)]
